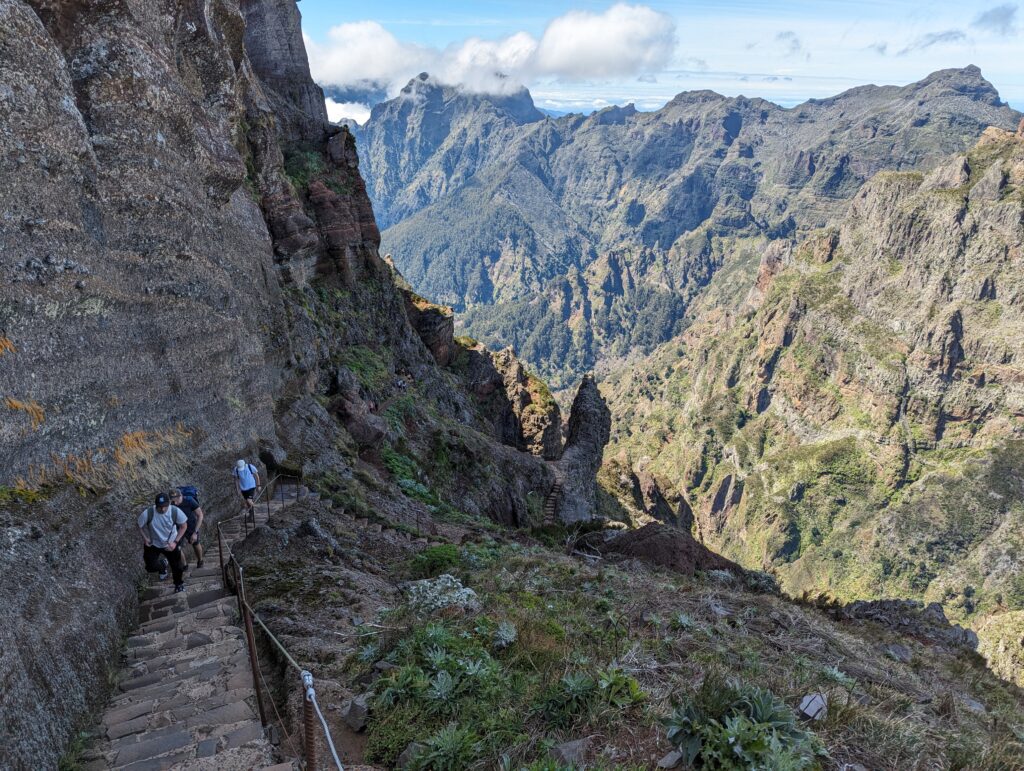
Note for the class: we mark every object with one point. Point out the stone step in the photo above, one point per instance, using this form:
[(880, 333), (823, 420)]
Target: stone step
[(178, 602), (165, 748), (175, 676), (152, 714), (192, 584), (143, 649), (224, 612), (201, 684), (165, 659)]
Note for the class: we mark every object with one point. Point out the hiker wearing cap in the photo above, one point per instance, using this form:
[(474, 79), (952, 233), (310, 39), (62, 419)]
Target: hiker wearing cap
[(247, 479), (194, 513), (163, 526)]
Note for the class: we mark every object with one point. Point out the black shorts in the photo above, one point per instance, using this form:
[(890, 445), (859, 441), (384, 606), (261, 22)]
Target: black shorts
[(249, 494), (188, 537)]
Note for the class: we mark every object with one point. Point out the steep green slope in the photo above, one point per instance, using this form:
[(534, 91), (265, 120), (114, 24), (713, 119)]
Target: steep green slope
[(856, 425)]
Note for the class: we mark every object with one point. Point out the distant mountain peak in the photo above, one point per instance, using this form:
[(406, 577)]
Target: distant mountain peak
[(516, 102)]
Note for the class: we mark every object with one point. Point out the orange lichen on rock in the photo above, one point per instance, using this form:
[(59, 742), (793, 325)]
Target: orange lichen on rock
[(6, 346)]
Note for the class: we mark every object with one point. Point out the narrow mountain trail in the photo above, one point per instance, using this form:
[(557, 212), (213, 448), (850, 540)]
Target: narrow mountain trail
[(185, 697)]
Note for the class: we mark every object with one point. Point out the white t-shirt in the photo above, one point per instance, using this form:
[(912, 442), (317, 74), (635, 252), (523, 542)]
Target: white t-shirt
[(164, 526), (246, 476)]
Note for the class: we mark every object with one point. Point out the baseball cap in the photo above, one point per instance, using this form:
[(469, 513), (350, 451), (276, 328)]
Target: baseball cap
[(161, 499)]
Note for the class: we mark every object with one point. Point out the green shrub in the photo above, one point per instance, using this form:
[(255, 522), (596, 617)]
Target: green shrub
[(727, 728), (434, 561), (301, 166), (401, 466)]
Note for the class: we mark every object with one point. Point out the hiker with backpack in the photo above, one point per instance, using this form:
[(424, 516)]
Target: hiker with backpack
[(247, 480), (163, 527), (187, 499)]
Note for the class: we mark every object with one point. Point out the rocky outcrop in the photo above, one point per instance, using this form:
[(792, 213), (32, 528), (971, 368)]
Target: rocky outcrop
[(274, 48), (587, 434), (435, 324), (534, 409), (133, 311), (649, 498), (667, 547), (912, 619)]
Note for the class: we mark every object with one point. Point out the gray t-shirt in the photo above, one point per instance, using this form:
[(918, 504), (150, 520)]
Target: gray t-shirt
[(164, 526)]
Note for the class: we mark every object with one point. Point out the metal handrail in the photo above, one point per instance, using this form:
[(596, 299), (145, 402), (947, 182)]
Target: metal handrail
[(310, 706)]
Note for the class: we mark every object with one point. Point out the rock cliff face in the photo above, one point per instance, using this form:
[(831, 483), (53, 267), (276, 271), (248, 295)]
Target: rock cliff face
[(192, 275), (856, 426), (584, 239), (589, 429)]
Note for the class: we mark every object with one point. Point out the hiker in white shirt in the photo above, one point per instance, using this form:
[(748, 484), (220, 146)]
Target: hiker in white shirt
[(163, 527), (247, 480)]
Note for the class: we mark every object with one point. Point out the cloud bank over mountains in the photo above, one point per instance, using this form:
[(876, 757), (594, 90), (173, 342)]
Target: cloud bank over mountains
[(585, 59), (623, 41)]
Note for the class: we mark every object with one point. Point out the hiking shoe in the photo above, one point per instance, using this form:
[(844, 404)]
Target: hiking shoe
[(179, 588), (163, 575), (199, 563)]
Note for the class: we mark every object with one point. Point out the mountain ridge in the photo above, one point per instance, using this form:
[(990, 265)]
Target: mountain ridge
[(578, 212)]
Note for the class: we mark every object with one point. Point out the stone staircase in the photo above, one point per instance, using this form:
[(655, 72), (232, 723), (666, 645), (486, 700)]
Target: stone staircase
[(551, 502), (185, 696)]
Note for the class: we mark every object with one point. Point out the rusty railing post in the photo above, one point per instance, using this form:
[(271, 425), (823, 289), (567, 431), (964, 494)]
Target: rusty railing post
[(251, 640), (307, 721)]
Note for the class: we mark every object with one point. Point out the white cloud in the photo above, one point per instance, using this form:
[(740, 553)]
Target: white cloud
[(338, 111), (622, 41), (360, 52)]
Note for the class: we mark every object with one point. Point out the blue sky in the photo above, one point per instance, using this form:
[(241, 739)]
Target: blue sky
[(582, 55)]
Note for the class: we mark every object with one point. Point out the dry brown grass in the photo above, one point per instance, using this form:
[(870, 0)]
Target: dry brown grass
[(135, 446), (138, 456), (30, 407)]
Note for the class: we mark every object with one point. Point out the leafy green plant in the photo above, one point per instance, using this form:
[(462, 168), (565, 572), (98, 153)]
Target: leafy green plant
[(682, 621), (440, 692), (618, 689), (570, 698), (401, 466), (451, 749), (368, 653), (740, 729), (404, 684), (837, 675), (505, 635)]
